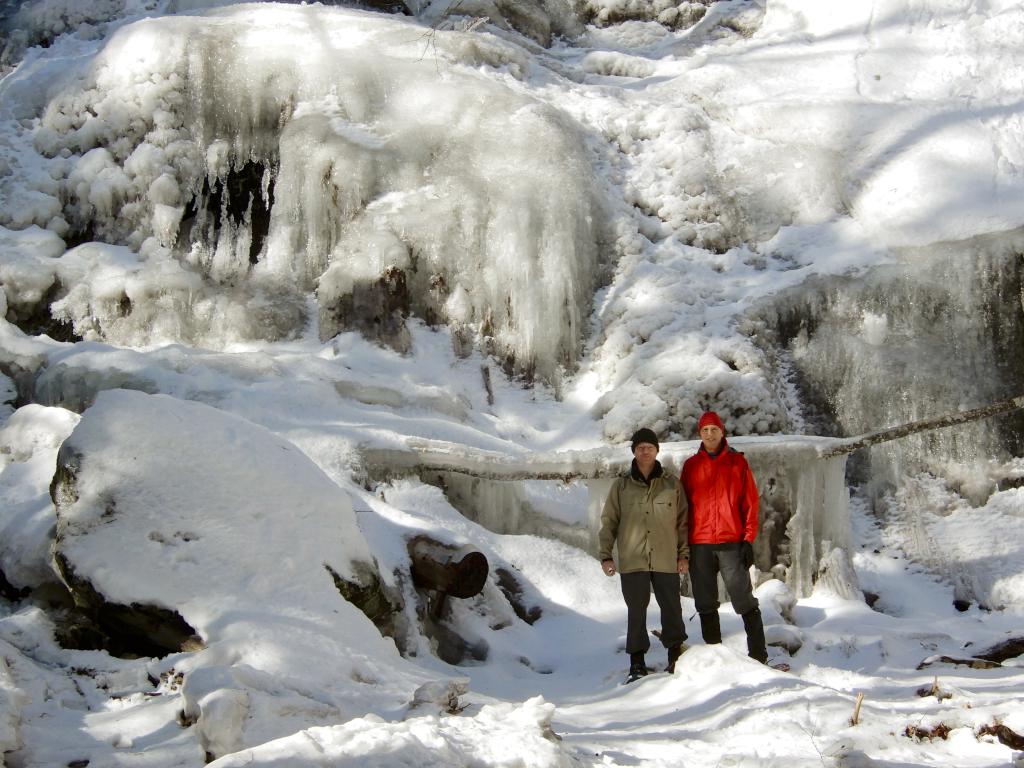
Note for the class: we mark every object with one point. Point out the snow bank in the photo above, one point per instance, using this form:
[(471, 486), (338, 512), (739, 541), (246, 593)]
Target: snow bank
[(941, 530), (913, 103), (499, 735)]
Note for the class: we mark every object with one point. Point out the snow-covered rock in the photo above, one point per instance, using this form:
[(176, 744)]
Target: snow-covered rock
[(182, 489)]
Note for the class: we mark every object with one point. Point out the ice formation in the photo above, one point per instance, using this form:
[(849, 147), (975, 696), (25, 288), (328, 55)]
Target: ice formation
[(375, 166), (804, 499), (925, 328)]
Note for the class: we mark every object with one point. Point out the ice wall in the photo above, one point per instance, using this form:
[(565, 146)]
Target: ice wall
[(278, 150), (506, 507), (937, 332)]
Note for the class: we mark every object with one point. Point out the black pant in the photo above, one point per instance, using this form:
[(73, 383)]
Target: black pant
[(706, 561), (636, 590)]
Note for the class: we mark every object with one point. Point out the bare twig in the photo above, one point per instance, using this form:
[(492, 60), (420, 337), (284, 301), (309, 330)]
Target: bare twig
[(814, 743), (856, 708), (485, 371)]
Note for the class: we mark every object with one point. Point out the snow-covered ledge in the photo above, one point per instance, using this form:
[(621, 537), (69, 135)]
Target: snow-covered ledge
[(803, 491)]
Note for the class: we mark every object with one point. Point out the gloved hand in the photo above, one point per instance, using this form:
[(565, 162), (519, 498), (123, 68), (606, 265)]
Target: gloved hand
[(747, 553)]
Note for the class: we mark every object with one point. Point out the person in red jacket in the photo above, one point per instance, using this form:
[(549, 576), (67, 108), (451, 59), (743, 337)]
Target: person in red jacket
[(723, 523)]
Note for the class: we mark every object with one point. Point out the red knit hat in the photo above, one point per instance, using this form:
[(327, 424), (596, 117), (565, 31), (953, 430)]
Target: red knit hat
[(710, 417)]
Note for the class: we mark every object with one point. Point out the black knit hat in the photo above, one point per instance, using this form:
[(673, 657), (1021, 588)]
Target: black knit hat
[(643, 435)]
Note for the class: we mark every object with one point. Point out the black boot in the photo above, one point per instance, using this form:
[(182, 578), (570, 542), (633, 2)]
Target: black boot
[(710, 628), (756, 648), (637, 667)]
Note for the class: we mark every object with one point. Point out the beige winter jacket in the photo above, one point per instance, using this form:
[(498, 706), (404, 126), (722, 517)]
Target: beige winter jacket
[(647, 522)]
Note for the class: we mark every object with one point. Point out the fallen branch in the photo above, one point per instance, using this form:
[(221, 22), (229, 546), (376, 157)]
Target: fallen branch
[(972, 663), (1004, 735), (1008, 649), (419, 456), (883, 436), (919, 732)]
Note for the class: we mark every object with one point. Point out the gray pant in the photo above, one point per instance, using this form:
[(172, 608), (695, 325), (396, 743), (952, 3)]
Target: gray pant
[(706, 562), (636, 590)]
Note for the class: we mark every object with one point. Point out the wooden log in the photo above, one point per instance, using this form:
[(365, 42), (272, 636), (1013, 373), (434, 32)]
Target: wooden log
[(893, 433), (435, 567), (416, 456)]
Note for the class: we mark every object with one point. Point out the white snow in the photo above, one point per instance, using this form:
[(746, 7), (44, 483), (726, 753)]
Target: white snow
[(631, 214)]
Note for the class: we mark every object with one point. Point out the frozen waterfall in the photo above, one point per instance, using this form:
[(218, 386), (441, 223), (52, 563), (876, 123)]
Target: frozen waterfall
[(373, 165)]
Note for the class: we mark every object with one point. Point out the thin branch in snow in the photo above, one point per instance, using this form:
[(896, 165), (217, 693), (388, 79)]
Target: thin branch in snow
[(856, 708)]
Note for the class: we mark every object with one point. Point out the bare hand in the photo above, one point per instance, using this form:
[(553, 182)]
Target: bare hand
[(609, 567), (682, 565)]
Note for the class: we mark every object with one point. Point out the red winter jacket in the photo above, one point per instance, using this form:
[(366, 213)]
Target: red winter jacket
[(722, 497)]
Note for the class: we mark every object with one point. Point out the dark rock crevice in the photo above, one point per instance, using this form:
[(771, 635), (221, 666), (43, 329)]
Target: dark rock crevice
[(124, 631), (367, 593), (245, 197)]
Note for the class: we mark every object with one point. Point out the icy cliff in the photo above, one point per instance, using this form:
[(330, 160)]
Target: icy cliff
[(391, 170)]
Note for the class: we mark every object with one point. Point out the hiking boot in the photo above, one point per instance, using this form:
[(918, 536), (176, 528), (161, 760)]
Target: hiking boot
[(674, 653), (637, 667)]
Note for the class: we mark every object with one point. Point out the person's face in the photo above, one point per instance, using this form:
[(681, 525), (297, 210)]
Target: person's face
[(711, 435), (645, 454)]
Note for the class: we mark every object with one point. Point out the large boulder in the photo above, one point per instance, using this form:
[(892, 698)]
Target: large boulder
[(180, 526), (173, 516)]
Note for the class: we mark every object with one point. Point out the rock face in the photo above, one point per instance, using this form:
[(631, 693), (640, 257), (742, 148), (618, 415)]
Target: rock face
[(171, 514)]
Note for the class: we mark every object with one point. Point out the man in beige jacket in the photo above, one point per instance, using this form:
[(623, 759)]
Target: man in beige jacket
[(644, 516)]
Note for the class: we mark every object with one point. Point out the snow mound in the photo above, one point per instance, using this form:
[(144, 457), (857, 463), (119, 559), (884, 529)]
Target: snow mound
[(499, 735), (174, 504)]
